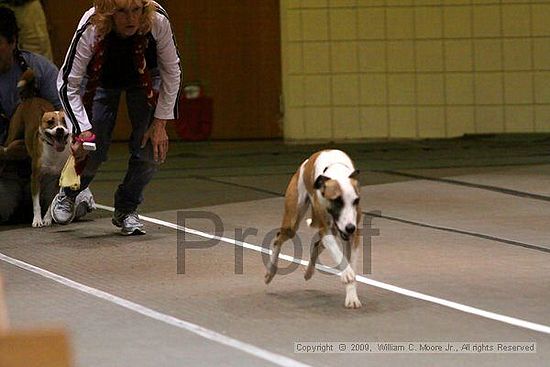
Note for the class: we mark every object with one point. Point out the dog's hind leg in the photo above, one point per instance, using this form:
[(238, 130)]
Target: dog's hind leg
[(296, 205), (282, 236), (315, 252), (17, 126)]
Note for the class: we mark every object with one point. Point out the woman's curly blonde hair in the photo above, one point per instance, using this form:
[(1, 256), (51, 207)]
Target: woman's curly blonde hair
[(105, 9)]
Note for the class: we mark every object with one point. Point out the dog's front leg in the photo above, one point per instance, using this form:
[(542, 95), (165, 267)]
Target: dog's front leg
[(347, 275), (352, 300), (47, 220), (49, 187), (35, 191)]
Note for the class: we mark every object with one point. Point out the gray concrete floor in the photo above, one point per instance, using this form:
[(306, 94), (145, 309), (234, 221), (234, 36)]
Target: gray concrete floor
[(464, 220)]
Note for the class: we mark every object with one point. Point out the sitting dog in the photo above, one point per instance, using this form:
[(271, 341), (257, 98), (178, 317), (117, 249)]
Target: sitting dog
[(47, 140), (328, 182)]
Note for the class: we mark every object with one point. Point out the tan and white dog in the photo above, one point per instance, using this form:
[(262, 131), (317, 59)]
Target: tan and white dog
[(326, 181), (47, 140)]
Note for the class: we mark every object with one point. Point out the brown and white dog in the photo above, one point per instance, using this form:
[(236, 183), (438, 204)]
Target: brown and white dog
[(327, 182), (47, 140)]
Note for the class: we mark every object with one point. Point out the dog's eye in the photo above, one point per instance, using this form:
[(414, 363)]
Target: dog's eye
[(51, 122), (336, 207), (356, 202)]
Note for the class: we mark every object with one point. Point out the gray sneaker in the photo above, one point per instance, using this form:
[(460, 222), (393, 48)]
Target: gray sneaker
[(62, 208), (128, 222), (84, 203)]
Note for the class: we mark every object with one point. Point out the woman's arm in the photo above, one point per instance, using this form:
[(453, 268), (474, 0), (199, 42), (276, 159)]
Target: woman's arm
[(73, 71), (169, 67)]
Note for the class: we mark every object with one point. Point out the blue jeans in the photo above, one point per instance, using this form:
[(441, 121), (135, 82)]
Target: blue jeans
[(141, 166)]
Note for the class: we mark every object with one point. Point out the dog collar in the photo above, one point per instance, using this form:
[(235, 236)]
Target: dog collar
[(335, 163)]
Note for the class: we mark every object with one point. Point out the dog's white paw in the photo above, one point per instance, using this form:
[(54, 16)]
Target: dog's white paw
[(347, 275), (37, 223), (47, 221), (352, 301)]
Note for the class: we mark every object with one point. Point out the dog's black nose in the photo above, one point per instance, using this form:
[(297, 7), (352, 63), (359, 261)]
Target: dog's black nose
[(59, 131), (350, 228)]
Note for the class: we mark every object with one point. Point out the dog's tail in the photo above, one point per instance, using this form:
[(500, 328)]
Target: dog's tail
[(26, 85)]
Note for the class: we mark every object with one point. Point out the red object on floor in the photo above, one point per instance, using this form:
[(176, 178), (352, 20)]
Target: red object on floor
[(195, 118)]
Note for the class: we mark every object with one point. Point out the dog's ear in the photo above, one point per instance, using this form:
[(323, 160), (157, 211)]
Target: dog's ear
[(355, 174), (45, 109), (320, 182), (46, 116)]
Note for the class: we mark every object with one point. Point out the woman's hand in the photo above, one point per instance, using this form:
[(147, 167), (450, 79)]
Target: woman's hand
[(159, 139), (78, 151)]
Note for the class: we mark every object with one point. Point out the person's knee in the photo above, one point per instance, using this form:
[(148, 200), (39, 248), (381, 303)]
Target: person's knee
[(143, 164), (144, 155)]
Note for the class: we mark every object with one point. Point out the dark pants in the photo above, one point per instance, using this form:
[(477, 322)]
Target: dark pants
[(141, 166), (16, 199)]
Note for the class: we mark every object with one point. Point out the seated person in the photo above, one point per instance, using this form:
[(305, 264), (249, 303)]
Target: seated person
[(15, 169)]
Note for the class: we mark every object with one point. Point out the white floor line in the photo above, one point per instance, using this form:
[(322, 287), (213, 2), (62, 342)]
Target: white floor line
[(182, 324), (362, 279)]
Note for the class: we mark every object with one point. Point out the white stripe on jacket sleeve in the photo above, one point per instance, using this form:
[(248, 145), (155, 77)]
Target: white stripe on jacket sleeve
[(73, 71)]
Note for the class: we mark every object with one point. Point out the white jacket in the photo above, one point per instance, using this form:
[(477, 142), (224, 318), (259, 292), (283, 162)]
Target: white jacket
[(80, 53)]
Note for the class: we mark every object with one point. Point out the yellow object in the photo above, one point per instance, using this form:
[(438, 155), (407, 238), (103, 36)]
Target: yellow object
[(33, 28), (35, 348), (3, 310), (68, 177)]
